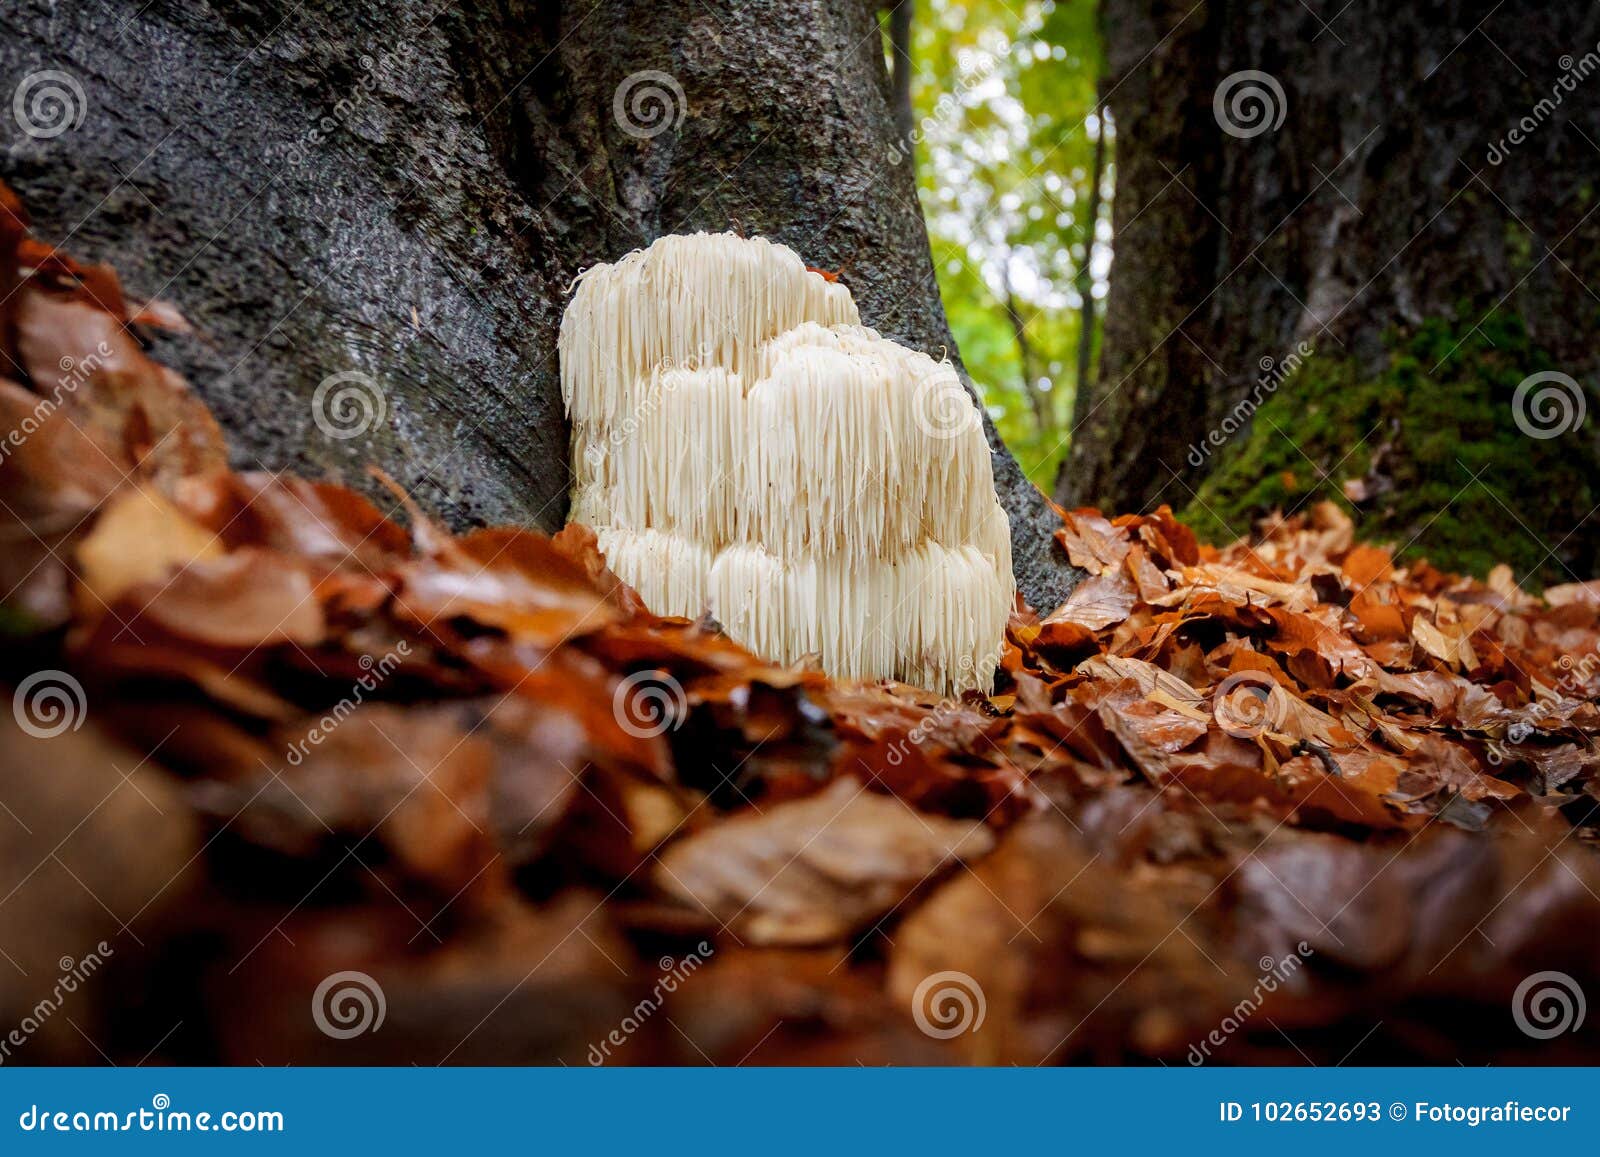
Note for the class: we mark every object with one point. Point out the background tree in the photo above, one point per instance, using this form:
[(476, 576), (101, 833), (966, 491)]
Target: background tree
[(1409, 190)]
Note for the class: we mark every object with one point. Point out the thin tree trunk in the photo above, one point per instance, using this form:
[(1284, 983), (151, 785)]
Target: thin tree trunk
[(1086, 272), (1038, 399), (1085, 284), (902, 68)]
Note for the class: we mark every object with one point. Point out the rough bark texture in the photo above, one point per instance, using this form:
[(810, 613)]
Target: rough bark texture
[(1375, 206), (406, 190), (1163, 262)]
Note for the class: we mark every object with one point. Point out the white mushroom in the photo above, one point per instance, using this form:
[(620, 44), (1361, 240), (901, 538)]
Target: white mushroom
[(741, 443)]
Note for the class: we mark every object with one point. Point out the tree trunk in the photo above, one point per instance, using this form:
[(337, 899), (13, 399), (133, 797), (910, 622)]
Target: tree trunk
[(1086, 270), (406, 191), (901, 68), (1038, 399), (1388, 216)]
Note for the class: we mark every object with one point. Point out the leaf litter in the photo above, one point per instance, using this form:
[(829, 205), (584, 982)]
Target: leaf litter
[(479, 769)]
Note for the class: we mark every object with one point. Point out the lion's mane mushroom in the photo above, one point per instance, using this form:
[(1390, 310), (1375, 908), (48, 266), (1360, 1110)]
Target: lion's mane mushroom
[(740, 442)]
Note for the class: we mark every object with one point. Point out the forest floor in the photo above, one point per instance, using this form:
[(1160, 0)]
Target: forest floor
[(427, 797)]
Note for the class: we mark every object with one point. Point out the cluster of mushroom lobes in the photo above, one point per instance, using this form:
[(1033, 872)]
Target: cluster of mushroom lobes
[(742, 444)]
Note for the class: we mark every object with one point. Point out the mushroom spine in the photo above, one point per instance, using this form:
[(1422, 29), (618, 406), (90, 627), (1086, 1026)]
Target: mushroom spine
[(741, 443)]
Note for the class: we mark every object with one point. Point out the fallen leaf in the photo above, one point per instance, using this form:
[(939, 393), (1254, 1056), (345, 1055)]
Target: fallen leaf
[(815, 870)]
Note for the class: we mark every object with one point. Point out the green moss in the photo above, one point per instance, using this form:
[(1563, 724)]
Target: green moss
[(1519, 247), (16, 624), (1466, 488)]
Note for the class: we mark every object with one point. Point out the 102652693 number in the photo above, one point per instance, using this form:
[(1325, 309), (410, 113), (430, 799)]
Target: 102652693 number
[(1334, 1112)]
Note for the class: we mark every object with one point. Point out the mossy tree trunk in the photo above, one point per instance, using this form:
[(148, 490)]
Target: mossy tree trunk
[(405, 191), (1423, 218)]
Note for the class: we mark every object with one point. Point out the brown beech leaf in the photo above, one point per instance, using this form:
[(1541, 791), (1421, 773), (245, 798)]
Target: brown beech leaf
[(513, 580), (248, 598), (140, 537), (1097, 602), (815, 870), (416, 781)]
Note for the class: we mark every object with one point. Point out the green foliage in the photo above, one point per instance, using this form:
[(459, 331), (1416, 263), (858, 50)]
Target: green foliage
[(1003, 99), (1465, 487), (16, 624)]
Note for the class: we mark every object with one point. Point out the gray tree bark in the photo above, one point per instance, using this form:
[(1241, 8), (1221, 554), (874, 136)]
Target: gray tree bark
[(406, 190)]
